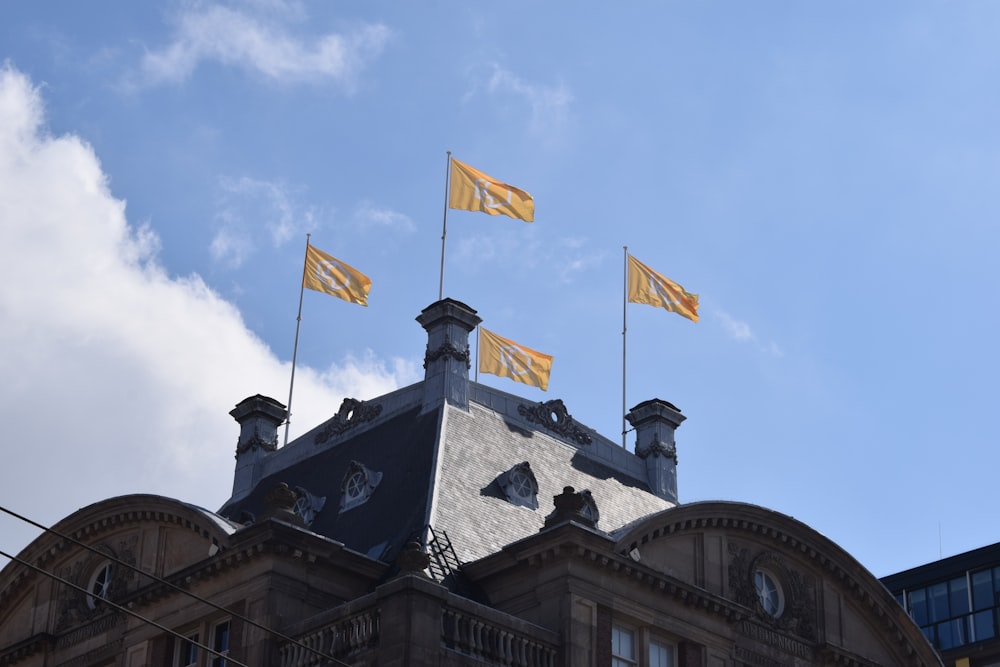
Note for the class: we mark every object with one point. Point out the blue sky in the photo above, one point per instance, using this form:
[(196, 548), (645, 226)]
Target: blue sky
[(822, 174)]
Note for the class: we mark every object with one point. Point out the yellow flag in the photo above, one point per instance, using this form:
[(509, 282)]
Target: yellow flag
[(647, 286), (499, 356), (329, 275), (472, 190)]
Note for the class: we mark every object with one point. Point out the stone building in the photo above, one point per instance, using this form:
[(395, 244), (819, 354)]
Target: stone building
[(447, 523)]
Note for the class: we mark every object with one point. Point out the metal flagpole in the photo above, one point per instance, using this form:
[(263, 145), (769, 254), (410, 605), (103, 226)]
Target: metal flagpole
[(479, 334), (624, 329), (444, 226), (295, 350)]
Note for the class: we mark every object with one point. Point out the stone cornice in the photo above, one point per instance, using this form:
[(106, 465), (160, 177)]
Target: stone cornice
[(583, 544), (268, 538)]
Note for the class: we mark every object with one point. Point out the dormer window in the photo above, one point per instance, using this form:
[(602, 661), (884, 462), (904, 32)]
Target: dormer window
[(307, 505), (358, 485), (519, 486)]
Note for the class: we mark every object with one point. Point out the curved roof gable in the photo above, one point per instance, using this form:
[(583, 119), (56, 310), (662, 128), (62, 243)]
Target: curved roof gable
[(798, 585)]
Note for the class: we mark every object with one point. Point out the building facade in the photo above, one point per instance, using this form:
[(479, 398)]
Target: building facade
[(447, 523), (956, 603)]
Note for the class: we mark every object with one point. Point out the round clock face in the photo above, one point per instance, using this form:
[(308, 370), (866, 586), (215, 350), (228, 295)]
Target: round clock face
[(769, 593)]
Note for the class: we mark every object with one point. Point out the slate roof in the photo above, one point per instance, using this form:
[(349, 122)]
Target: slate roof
[(401, 448), (439, 464)]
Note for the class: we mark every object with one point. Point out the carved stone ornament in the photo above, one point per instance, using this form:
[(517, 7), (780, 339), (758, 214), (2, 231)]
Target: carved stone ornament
[(657, 448), (281, 505), (77, 607), (257, 441), (554, 416), (351, 413), (449, 349), (570, 506), (799, 614), (413, 560)]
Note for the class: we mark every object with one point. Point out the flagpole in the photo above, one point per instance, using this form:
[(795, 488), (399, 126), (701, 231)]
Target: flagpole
[(478, 334), (444, 226), (295, 349), (624, 329)]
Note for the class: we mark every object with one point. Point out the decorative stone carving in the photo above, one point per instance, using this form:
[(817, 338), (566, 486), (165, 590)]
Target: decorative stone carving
[(351, 413), (657, 448), (281, 505), (799, 614), (449, 349), (569, 506), (554, 416), (255, 441), (74, 608), (413, 560)]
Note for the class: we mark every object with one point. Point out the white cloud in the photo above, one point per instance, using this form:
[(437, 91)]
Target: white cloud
[(549, 105), (248, 205), (114, 377), (372, 216), (740, 331), (257, 37)]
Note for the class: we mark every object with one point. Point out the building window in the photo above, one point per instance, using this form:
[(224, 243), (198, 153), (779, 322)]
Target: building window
[(519, 486), (187, 651), (307, 505), (661, 654), (99, 586), (769, 593), (959, 611), (358, 485), (220, 642), (622, 646)]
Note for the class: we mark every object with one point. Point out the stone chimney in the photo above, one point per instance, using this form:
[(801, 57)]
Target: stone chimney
[(447, 360), (259, 418), (655, 422)]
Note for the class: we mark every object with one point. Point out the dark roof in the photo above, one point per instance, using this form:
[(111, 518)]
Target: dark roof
[(401, 448), (944, 569)]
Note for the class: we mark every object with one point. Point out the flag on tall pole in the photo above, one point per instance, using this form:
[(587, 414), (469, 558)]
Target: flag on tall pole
[(472, 190), (647, 286), (329, 275), (505, 358)]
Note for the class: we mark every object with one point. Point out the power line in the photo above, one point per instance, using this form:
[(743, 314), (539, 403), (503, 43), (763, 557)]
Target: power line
[(164, 582), (122, 609)]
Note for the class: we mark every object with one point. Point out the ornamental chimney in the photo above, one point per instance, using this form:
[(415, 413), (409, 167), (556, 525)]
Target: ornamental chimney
[(259, 418), (655, 422), (447, 359)]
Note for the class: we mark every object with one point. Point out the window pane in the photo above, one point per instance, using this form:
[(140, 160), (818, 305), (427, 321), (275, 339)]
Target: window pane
[(983, 622), (918, 606), (982, 590), (622, 646), (944, 639), (938, 601), (660, 654), (188, 654), (220, 642), (958, 596)]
